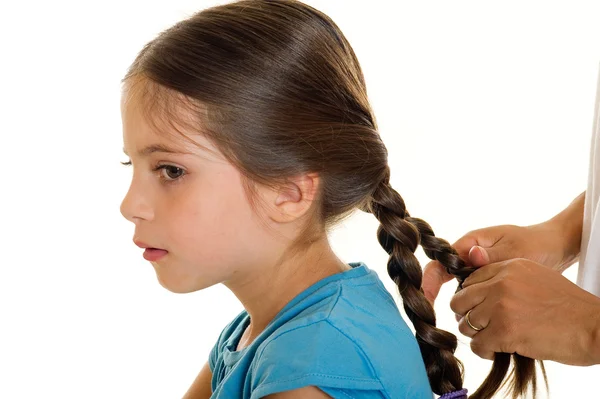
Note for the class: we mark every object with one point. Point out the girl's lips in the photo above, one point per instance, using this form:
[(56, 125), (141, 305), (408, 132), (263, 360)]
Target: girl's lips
[(154, 254)]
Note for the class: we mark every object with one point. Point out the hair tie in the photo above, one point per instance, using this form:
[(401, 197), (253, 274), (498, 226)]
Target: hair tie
[(462, 394)]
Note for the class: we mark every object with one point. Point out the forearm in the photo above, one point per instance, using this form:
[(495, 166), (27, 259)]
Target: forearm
[(569, 225)]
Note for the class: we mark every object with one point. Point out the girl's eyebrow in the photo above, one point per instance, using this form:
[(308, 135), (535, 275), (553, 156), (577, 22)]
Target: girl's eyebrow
[(156, 148)]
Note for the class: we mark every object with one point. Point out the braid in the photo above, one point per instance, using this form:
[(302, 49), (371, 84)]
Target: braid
[(400, 235), (400, 239)]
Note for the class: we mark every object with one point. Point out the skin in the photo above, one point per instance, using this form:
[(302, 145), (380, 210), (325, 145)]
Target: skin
[(519, 296), (187, 199), (554, 243), (530, 309)]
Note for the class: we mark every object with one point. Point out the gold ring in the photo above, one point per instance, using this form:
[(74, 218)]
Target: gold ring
[(469, 322)]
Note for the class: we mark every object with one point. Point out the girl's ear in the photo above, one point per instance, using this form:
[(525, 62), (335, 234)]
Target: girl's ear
[(293, 199)]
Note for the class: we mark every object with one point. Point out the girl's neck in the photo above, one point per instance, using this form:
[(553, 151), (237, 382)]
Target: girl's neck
[(274, 286)]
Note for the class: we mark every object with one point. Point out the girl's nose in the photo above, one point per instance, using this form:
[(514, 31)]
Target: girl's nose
[(135, 205)]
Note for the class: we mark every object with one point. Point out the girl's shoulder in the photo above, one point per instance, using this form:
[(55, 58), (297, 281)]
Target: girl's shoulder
[(355, 339)]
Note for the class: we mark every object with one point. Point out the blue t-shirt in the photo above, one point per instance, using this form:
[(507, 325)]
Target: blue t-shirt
[(344, 334)]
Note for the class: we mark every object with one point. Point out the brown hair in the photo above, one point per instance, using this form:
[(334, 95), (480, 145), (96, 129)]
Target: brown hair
[(280, 91)]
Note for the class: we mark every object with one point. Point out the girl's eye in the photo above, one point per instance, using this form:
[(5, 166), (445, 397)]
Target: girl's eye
[(170, 172), (128, 163)]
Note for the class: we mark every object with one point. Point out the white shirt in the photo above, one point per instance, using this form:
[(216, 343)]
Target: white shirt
[(589, 261)]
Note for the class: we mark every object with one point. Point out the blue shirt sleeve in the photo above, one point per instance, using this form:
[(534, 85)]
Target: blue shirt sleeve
[(317, 354), (352, 393)]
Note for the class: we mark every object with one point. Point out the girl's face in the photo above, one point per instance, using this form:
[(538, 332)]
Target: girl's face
[(188, 206)]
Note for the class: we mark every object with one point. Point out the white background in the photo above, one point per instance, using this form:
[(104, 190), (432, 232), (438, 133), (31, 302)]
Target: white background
[(486, 108)]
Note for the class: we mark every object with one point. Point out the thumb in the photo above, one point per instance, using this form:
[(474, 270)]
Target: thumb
[(479, 256), (434, 276)]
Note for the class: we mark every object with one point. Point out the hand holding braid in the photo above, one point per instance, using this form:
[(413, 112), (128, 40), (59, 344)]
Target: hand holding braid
[(400, 235)]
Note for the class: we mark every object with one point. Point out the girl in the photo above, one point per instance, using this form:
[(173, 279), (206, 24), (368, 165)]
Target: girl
[(251, 135)]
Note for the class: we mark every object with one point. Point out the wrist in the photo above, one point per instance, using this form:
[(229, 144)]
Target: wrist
[(567, 226), (568, 237), (593, 336)]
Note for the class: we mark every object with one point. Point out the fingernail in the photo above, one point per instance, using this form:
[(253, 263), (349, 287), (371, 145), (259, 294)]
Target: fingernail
[(476, 248)]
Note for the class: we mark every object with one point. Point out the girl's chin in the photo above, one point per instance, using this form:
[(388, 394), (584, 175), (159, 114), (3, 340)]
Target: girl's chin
[(178, 285)]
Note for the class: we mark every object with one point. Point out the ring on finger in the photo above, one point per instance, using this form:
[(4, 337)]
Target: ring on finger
[(469, 321)]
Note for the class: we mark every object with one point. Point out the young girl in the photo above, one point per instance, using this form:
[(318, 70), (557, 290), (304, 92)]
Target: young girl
[(251, 135)]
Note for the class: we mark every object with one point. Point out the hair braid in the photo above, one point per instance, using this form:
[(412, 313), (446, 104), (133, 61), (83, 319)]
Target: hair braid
[(400, 239), (400, 235)]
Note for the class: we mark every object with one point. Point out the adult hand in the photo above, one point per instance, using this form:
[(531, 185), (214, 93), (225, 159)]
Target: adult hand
[(524, 307), (543, 243)]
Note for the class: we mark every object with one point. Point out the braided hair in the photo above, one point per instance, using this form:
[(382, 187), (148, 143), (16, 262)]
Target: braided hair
[(400, 235)]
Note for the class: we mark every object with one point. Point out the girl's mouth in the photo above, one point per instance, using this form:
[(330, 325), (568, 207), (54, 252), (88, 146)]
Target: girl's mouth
[(154, 254)]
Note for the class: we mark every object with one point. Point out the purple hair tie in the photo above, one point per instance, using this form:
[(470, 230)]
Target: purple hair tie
[(462, 394)]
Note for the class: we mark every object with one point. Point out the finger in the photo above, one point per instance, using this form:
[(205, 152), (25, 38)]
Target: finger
[(485, 238), (477, 319), (483, 274), (467, 298), (434, 276), (464, 245), (485, 344), (479, 256)]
